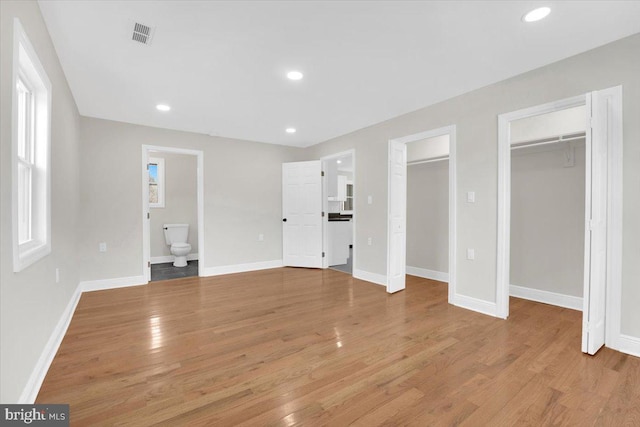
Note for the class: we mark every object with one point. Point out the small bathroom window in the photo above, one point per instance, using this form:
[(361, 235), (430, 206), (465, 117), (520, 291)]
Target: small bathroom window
[(156, 182)]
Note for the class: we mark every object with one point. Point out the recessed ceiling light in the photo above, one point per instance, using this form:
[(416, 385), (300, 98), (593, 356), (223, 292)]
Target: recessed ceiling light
[(163, 107), (295, 75), (338, 161), (290, 130), (536, 14)]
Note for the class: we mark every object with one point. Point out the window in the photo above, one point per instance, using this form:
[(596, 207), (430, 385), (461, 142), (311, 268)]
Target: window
[(31, 140), (156, 182), (347, 205)]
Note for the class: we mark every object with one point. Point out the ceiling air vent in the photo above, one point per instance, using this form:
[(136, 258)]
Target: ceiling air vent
[(142, 33)]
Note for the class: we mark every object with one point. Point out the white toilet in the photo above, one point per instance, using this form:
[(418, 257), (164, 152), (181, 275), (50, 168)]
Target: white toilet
[(176, 237)]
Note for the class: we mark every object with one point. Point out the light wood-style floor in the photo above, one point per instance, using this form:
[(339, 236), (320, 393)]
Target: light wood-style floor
[(317, 347)]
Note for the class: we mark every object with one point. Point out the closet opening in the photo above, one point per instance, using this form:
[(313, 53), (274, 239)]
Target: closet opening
[(428, 208), (547, 241), (546, 251)]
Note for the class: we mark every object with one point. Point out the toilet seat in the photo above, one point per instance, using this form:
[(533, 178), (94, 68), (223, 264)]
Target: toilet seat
[(180, 245)]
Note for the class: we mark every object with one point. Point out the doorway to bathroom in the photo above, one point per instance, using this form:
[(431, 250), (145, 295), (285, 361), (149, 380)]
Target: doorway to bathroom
[(172, 206)]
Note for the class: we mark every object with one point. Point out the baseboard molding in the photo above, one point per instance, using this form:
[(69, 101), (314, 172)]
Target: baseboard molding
[(119, 282), (475, 304), (628, 344), (378, 279), (31, 389), (561, 300), (440, 276), (169, 258), (240, 268)]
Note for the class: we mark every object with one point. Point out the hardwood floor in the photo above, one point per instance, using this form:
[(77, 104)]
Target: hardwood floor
[(317, 347)]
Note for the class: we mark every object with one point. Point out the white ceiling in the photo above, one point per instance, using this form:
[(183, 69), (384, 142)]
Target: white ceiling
[(221, 65)]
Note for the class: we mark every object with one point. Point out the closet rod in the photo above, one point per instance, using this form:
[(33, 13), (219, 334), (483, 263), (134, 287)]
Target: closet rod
[(434, 159), (572, 137)]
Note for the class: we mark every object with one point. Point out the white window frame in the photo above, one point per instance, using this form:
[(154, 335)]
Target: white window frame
[(160, 163), (28, 69)]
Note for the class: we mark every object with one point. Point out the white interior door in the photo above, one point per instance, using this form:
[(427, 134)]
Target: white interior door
[(396, 259), (595, 277), (302, 214)]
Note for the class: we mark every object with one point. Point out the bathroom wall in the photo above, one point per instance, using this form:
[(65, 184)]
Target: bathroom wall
[(31, 302), (180, 203)]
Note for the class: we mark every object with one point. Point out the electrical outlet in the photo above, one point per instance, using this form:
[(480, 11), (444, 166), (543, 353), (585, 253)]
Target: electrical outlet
[(369, 241), (471, 254), (369, 200), (260, 237), (102, 247)]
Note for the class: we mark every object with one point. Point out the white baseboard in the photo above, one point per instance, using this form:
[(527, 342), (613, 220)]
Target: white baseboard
[(378, 279), (240, 268), (440, 276), (475, 304), (566, 301), (169, 258), (119, 282), (31, 389), (628, 344)]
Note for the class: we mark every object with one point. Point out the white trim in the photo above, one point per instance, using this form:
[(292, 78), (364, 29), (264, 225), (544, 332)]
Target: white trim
[(504, 192), (118, 282), (450, 130), (39, 372), (627, 344), (440, 276), (553, 298), (240, 268), (475, 304), (325, 206), (169, 258), (378, 279), (613, 328), (146, 240)]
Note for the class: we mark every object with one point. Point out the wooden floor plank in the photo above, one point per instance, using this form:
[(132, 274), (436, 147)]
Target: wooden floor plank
[(317, 347)]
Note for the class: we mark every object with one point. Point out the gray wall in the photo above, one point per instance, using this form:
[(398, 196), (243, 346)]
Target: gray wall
[(180, 202), (428, 216), (547, 219), (31, 303), (475, 114), (242, 197)]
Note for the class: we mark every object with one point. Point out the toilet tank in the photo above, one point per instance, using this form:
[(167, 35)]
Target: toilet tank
[(176, 233)]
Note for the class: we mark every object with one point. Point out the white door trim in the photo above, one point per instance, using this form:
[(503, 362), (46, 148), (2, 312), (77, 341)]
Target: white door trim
[(325, 207), (146, 236), (451, 131), (614, 220)]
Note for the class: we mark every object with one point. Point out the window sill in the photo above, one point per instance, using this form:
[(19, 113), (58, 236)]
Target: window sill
[(28, 254)]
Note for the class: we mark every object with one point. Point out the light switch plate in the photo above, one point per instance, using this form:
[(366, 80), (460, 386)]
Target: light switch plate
[(471, 196), (471, 254)]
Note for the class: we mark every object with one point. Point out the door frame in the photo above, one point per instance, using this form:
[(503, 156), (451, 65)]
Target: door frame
[(325, 207), (146, 235), (614, 208), (446, 130)]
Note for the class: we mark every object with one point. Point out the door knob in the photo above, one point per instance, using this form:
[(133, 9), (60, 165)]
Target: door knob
[(284, 219)]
